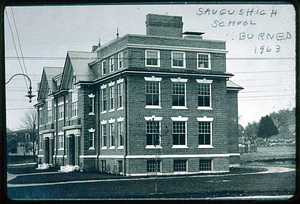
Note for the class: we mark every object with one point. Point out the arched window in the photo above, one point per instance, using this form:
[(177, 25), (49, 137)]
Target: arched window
[(74, 82)]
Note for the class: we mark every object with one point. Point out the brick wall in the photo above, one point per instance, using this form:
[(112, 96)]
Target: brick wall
[(232, 122), (137, 112)]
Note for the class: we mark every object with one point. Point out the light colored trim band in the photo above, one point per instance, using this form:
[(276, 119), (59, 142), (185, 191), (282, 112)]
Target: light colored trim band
[(88, 156), (176, 48), (176, 156)]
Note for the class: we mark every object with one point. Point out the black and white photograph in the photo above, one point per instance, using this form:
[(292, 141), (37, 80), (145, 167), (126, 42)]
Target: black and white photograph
[(144, 101)]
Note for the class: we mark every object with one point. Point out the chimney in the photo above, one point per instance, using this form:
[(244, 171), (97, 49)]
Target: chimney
[(94, 47), (162, 25)]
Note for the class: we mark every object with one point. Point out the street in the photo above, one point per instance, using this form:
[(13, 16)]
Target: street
[(202, 187)]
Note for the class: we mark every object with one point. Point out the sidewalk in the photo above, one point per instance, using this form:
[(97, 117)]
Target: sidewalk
[(53, 178)]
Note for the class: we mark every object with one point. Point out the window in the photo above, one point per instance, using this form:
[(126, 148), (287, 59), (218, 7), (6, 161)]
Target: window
[(180, 165), (153, 132), (112, 96), (104, 100), (120, 60), (203, 61), (67, 109), (204, 95), (204, 134), (92, 138), (74, 109), (55, 109), (152, 58), (121, 134), (112, 134), (153, 166), (73, 83), (61, 111), (112, 64), (49, 110), (41, 142), (179, 133), (120, 166), (178, 94), (75, 103), (92, 104), (178, 59), (104, 136), (120, 88), (152, 93), (205, 164), (104, 67), (41, 116), (61, 141)]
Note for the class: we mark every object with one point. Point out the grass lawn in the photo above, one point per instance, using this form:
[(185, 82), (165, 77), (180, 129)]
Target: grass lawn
[(270, 153)]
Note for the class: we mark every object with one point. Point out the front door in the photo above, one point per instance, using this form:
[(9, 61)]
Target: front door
[(71, 150), (47, 153)]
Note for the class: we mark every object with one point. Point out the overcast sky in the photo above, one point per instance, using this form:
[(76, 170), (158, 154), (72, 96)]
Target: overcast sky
[(260, 40)]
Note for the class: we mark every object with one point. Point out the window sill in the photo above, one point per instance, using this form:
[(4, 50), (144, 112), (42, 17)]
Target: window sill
[(92, 148), (60, 119), (74, 117), (153, 107), (204, 108), (121, 147), (205, 146), (180, 146), (178, 67), (153, 147), (152, 65), (112, 147), (104, 147), (61, 149), (111, 110), (120, 108), (103, 112), (179, 107), (204, 68), (41, 150)]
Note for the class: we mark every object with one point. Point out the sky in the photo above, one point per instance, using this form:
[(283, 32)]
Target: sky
[(260, 44)]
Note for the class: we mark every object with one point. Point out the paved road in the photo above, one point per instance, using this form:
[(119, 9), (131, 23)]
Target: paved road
[(251, 184)]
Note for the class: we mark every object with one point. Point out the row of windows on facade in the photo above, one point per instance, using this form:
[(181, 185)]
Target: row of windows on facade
[(179, 165), (152, 59), (153, 134), (74, 112), (153, 96), (155, 165), (111, 65)]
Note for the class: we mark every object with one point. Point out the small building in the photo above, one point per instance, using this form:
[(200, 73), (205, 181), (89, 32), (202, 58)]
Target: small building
[(141, 104)]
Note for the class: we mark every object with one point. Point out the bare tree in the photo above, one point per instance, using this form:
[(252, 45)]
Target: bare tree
[(29, 122)]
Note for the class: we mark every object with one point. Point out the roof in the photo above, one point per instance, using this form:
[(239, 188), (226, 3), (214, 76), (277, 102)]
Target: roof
[(80, 63), (50, 73), (233, 86)]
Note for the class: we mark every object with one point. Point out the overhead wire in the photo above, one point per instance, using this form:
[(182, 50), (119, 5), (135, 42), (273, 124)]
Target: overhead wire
[(13, 38), (19, 41)]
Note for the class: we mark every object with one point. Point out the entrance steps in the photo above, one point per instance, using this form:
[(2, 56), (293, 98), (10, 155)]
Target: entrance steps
[(43, 166), (68, 168)]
